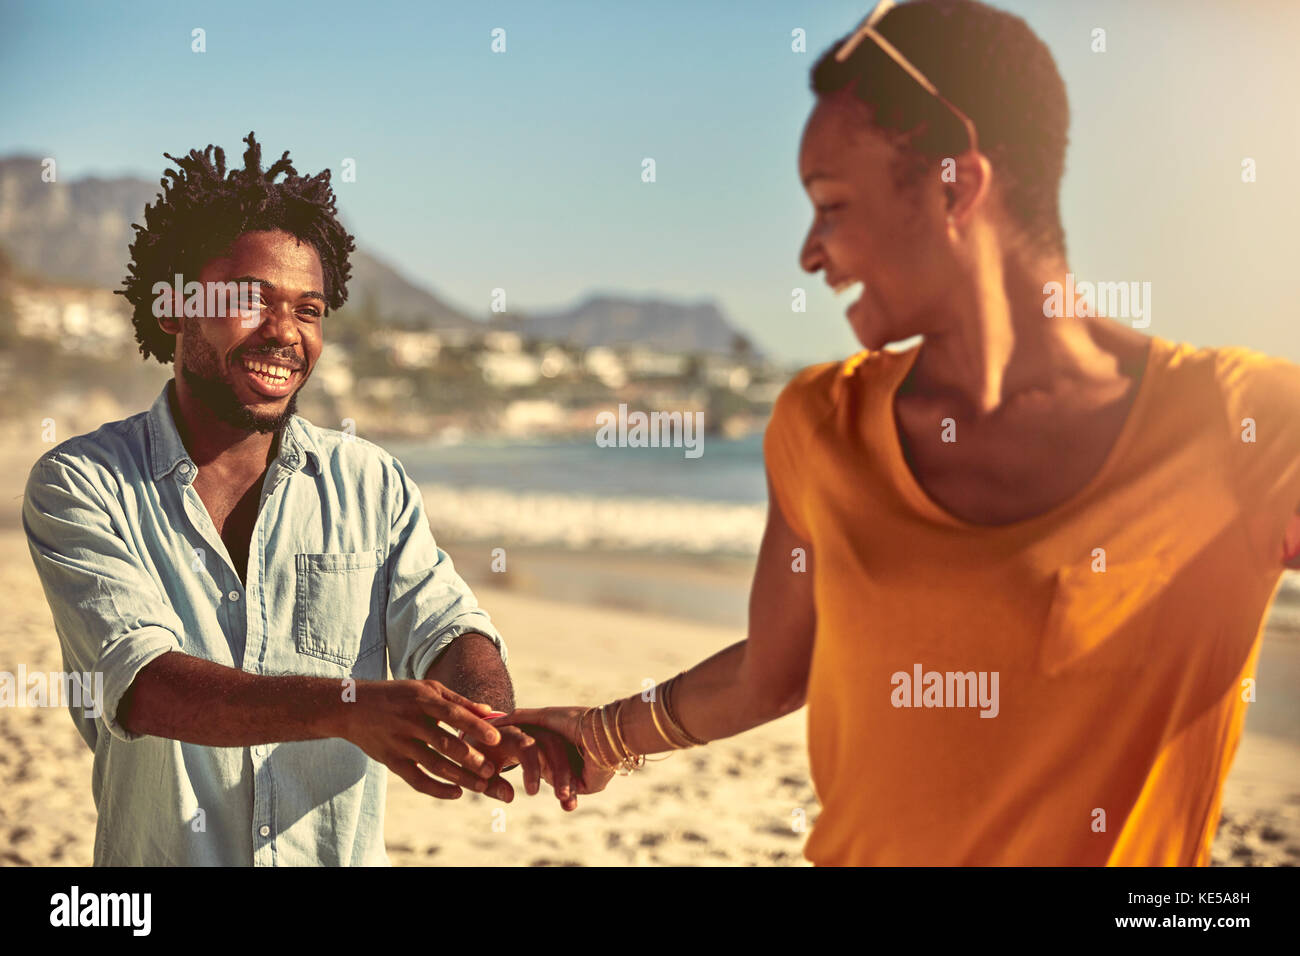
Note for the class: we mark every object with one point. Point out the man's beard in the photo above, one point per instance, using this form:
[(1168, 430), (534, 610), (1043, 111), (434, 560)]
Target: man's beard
[(202, 373)]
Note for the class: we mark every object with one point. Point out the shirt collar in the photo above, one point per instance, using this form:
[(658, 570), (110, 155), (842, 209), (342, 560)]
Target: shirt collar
[(167, 451)]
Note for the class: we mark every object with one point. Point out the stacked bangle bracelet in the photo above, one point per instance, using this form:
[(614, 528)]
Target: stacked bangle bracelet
[(600, 731), (673, 720), (665, 718), (605, 729)]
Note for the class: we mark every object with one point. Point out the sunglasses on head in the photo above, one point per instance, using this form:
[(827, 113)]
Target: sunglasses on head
[(867, 30)]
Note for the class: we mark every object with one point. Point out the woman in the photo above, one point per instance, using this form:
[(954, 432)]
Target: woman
[(1018, 572)]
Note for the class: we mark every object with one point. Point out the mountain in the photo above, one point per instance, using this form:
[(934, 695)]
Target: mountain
[(77, 232), (399, 300), (603, 319)]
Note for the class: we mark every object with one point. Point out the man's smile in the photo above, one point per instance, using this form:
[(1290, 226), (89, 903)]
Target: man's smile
[(272, 377)]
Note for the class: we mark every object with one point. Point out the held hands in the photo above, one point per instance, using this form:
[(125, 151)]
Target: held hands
[(565, 722), (395, 722), (543, 754)]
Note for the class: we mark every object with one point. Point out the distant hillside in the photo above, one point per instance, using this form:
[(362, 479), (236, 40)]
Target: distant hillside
[(78, 232), (399, 300), (75, 232), (615, 320)]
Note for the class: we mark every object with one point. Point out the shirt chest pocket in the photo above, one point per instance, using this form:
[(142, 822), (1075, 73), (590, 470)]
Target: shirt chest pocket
[(1105, 622), (338, 606)]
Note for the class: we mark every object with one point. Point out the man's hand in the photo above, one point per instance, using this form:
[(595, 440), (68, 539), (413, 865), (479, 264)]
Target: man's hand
[(396, 723)]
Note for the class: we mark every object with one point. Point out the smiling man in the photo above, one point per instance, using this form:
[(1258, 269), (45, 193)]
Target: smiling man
[(244, 580)]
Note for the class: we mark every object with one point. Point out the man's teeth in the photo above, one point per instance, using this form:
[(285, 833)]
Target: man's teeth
[(853, 289), (277, 373)]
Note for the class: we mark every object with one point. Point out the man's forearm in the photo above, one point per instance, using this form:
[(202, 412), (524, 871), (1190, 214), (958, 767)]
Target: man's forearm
[(472, 667), (201, 702)]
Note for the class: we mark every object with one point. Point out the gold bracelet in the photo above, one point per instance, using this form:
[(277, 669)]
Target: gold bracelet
[(673, 720), (601, 741), (672, 743), (582, 737), (669, 732), (672, 728), (626, 761), (642, 758), (597, 757), (631, 761), (609, 737), (612, 735)]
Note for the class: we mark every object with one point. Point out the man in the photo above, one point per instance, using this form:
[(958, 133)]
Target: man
[(1019, 572), (241, 577)]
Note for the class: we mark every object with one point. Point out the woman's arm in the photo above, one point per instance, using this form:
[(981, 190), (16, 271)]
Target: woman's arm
[(756, 680), (747, 684)]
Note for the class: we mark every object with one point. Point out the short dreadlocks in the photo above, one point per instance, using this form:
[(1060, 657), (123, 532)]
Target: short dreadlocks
[(203, 210)]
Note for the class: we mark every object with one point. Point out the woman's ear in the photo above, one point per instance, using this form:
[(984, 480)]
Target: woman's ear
[(971, 189)]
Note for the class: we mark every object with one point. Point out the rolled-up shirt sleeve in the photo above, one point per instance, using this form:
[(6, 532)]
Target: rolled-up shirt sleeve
[(109, 614), (429, 604)]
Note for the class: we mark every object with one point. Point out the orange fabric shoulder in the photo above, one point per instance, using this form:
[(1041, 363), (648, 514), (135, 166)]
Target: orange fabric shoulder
[(807, 400), (1261, 396)]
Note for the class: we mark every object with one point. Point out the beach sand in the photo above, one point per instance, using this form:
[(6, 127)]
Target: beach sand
[(734, 802)]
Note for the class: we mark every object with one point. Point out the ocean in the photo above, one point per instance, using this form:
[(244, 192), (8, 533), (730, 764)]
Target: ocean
[(729, 471), (575, 494)]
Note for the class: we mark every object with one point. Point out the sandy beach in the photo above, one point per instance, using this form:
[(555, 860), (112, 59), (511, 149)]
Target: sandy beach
[(581, 629)]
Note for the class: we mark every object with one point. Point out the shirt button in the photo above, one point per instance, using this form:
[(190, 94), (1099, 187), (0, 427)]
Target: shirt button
[(233, 595), (264, 830)]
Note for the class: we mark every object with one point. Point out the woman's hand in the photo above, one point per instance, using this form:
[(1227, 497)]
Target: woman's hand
[(543, 755), (589, 777)]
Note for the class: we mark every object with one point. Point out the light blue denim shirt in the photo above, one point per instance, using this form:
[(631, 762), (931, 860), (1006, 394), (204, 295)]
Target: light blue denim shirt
[(342, 567)]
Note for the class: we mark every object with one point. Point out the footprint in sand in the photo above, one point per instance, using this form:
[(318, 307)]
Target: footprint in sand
[(776, 829), (1271, 835)]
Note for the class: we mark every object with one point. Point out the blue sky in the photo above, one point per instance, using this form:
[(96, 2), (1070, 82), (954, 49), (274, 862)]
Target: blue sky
[(477, 170)]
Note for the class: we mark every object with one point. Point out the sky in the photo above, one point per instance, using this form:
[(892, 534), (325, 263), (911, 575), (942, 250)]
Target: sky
[(522, 170)]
